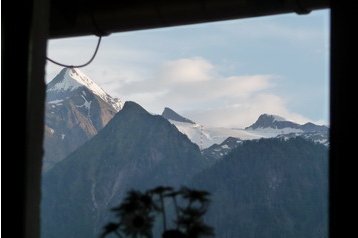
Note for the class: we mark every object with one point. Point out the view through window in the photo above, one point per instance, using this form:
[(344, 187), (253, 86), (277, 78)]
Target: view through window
[(235, 108)]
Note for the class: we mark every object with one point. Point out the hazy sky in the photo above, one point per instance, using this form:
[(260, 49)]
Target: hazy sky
[(220, 74)]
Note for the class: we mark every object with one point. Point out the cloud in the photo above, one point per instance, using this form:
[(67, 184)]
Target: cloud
[(194, 87), (187, 70), (114, 65), (191, 85), (243, 113), (197, 78), (231, 83)]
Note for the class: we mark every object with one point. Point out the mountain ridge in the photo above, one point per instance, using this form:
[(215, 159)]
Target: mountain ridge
[(269, 188), (276, 122), (134, 150), (266, 126)]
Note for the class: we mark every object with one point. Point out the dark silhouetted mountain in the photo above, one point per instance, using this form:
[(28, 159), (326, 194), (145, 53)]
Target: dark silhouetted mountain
[(76, 109), (135, 150), (169, 114), (269, 188)]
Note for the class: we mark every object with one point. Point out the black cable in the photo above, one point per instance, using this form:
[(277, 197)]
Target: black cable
[(81, 65)]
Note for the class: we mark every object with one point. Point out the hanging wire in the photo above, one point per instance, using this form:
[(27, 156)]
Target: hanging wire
[(81, 65), (96, 31)]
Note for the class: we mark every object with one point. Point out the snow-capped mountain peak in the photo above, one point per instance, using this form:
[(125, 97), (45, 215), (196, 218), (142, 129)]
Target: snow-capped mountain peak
[(272, 121), (70, 79)]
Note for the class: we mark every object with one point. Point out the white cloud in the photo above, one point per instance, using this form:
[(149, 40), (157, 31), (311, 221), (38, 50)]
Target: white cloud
[(202, 82), (187, 70), (207, 97), (243, 113), (159, 68), (114, 65), (191, 85)]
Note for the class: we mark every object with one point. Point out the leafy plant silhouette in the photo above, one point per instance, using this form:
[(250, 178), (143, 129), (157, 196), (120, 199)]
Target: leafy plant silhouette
[(136, 214)]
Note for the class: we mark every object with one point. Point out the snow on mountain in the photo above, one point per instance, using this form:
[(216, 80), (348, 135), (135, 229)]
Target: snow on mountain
[(70, 79), (317, 137), (266, 126), (59, 101), (271, 124), (273, 132), (218, 151), (275, 126), (205, 136), (76, 109), (202, 135)]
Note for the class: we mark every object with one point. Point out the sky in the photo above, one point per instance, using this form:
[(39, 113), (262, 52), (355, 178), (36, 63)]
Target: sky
[(222, 74)]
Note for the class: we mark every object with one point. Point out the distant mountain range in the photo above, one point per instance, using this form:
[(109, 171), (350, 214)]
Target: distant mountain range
[(211, 139), (202, 135), (267, 180), (274, 184), (77, 108)]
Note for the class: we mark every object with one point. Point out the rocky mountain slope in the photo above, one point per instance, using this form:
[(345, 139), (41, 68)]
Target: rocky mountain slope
[(136, 150), (76, 109)]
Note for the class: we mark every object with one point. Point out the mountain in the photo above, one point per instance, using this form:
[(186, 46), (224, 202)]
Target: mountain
[(263, 188), (266, 126), (269, 188), (76, 109), (274, 126), (216, 151), (205, 136), (310, 127), (69, 81), (270, 126), (273, 122), (135, 150), (317, 137), (169, 114)]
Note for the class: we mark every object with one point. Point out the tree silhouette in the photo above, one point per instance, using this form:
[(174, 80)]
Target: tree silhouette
[(160, 191), (173, 195), (137, 213)]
